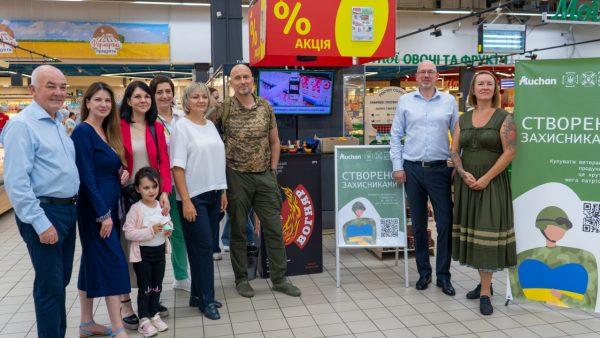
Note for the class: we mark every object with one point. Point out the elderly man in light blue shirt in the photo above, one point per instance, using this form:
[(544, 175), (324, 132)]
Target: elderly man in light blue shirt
[(419, 152), (42, 182)]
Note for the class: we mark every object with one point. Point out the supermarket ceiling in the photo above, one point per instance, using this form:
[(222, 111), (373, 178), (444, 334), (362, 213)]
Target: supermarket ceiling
[(133, 71), (400, 4)]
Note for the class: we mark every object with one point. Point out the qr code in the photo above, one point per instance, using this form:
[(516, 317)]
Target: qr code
[(390, 227), (591, 217)]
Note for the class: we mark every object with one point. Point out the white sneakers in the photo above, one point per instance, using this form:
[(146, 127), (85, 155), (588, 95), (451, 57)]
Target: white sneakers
[(158, 323), (226, 248), (184, 284), (217, 256), (151, 327), (146, 328)]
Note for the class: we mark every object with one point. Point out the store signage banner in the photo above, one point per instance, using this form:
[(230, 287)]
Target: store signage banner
[(85, 40), (575, 12), (284, 31), (555, 183), (439, 59), (369, 203)]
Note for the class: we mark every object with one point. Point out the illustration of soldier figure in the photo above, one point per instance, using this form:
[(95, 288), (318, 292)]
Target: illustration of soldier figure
[(554, 274), (361, 230)]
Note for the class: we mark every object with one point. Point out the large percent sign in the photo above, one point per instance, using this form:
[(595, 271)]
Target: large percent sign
[(282, 12)]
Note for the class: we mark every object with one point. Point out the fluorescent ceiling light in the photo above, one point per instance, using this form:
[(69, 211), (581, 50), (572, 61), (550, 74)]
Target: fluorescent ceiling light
[(371, 73), (528, 14), (13, 73), (451, 12), (169, 3), (160, 3), (132, 74), (505, 74)]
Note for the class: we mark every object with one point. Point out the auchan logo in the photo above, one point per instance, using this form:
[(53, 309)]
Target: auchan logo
[(297, 216), (538, 81)]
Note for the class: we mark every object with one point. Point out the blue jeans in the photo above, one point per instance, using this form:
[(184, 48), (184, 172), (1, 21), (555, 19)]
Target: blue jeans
[(198, 241), (249, 230), (433, 182), (53, 265)]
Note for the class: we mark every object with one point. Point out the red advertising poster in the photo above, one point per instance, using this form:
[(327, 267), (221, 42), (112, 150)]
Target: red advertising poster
[(321, 33)]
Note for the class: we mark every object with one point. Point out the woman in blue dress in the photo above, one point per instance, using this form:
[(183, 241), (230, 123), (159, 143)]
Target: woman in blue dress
[(100, 157)]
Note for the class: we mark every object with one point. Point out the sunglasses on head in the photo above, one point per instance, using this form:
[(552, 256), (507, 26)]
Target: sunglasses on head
[(558, 220)]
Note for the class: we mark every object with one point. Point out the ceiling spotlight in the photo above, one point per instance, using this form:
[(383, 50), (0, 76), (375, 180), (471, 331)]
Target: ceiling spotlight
[(436, 32), (532, 56)]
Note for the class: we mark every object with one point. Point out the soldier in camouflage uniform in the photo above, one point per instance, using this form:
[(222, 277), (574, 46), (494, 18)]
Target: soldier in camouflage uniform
[(361, 230), (569, 268), (252, 152)]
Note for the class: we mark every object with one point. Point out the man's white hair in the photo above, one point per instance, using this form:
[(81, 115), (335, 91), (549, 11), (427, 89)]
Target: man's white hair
[(41, 69)]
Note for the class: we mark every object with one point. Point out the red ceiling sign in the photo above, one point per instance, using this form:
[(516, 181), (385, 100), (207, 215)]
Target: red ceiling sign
[(321, 32)]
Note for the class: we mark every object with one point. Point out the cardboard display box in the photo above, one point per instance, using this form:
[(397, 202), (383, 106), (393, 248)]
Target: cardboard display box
[(328, 143)]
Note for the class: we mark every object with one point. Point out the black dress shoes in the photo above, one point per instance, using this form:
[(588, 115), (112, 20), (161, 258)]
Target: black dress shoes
[(211, 312), (423, 282), (447, 287), (475, 293), (163, 312), (195, 302)]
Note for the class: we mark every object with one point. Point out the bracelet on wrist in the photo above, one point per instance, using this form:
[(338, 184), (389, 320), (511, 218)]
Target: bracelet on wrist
[(104, 217)]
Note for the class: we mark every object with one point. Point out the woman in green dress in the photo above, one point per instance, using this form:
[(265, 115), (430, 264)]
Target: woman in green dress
[(483, 146)]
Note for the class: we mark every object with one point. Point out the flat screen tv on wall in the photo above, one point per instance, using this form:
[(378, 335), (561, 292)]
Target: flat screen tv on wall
[(297, 92)]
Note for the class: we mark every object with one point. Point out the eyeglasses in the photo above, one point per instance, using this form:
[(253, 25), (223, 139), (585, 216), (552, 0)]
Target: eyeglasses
[(428, 72), (558, 220)]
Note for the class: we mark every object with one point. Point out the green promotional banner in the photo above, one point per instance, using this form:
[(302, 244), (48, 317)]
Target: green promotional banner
[(556, 183), (369, 203)]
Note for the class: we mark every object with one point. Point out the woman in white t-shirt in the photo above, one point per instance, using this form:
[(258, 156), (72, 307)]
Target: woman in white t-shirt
[(198, 165)]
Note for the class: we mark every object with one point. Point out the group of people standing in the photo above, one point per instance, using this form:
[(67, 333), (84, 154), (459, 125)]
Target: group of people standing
[(144, 179), (139, 181), (478, 230)]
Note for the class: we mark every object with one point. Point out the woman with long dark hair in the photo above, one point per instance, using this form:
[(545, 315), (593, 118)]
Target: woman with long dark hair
[(163, 91), (145, 146), (100, 159)]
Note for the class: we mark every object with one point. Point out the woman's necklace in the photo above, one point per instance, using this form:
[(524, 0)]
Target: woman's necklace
[(142, 127)]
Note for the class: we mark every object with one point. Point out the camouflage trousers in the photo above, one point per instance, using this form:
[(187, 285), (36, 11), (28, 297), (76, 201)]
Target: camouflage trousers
[(261, 192)]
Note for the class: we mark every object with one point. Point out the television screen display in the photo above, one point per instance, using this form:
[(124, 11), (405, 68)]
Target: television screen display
[(297, 92), (501, 39)]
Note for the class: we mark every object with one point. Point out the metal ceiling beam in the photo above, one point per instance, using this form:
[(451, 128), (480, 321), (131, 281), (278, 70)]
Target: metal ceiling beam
[(47, 58)]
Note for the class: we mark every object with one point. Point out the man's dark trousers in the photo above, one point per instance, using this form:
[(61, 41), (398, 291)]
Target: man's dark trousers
[(433, 181), (53, 264)]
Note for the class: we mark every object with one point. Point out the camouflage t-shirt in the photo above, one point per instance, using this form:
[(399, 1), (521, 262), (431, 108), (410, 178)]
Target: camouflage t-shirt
[(246, 134)]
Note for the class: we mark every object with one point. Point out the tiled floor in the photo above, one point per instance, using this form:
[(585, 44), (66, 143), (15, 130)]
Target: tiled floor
[(371, 303)]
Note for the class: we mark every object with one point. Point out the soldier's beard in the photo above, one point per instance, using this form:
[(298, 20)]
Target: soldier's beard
[(245, 91)]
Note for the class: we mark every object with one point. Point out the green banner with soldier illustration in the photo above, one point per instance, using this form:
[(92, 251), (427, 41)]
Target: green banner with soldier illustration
[(369, 204), (556, 183)]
